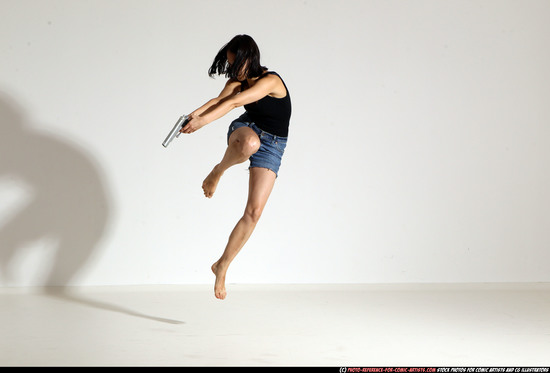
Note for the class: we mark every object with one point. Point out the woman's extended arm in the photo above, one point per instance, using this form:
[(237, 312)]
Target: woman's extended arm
[(219, 108), (231, 88)]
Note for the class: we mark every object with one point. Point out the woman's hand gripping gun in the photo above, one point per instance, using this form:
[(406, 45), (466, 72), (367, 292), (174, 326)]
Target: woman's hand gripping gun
[(182, 121)]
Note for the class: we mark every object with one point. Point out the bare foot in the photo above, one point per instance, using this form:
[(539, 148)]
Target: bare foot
[(219, 286), (211, 182)]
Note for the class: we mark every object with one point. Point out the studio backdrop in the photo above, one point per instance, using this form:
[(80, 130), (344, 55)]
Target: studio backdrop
[(419, 145)]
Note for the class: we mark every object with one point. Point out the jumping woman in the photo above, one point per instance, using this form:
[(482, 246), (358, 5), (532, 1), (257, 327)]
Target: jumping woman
[(260, 135)]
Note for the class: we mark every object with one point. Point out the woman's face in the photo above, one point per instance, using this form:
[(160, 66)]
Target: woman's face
[(241, 76)]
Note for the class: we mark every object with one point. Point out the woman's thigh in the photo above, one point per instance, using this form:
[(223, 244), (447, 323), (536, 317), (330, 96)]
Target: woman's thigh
[(261, 184)]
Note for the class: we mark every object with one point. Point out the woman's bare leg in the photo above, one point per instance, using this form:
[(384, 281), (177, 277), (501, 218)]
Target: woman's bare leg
[(260, 186), (243, 142)]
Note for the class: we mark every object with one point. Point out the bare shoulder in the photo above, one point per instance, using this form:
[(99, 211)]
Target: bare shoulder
[(231, 88), (232, 84), (279, 89)]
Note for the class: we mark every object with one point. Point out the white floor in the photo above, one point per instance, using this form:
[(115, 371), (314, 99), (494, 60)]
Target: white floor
[(278, 325)]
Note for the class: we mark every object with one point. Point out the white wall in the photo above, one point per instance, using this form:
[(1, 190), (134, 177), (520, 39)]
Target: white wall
[(419, 148)]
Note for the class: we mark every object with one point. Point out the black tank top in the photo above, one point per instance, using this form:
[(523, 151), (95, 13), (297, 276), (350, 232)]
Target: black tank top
[(269, 113)]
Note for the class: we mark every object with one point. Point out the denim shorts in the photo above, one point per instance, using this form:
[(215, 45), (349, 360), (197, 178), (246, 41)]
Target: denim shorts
[(271, 149)]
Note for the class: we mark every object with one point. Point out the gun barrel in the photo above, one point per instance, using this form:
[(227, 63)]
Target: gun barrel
[(175, 132)]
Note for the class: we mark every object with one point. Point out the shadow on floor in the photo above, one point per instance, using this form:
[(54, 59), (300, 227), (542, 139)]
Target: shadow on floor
[(66, 295)]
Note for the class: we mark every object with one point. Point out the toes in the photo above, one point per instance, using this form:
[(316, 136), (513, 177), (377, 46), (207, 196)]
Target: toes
[(207, 192)]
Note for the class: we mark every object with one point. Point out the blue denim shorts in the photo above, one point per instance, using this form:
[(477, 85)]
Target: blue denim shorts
[(271, 149)]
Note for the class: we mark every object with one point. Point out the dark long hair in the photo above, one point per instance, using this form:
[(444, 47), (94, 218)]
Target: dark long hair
[(247, 55)]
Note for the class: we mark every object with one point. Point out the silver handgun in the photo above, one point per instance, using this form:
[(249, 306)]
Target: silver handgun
[(176, 130)]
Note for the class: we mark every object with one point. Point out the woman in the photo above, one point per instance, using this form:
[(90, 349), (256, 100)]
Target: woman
[(260, 134)]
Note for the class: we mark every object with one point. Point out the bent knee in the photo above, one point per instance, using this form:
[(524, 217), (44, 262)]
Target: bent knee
[(253, 214), (248, 145)]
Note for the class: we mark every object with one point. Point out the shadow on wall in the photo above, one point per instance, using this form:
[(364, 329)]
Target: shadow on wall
[(68, 204)]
